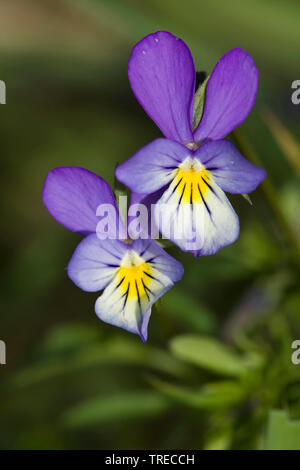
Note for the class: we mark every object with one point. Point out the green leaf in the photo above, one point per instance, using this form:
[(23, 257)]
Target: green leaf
[(221, 395), (282, 432), (115, 408), (116, 351), (248, 199), (209, 354), (219, 442), (199, 103)]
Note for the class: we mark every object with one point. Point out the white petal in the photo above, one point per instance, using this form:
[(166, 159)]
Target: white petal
[(220, 221)]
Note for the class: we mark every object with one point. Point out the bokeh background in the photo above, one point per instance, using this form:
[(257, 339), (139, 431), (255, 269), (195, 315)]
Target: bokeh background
[(216, 372)]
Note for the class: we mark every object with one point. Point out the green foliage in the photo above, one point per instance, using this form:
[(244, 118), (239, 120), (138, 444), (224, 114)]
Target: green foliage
[(199, 103), (126, 405), (282, 432), (212, 396), (216, 372), (209, 354), (72, 348)]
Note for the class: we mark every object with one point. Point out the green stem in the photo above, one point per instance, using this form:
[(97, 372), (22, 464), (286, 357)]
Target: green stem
[(269, 192)]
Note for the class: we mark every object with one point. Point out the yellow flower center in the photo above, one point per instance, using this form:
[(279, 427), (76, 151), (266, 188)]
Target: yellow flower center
[(134, 276), (192, 181)]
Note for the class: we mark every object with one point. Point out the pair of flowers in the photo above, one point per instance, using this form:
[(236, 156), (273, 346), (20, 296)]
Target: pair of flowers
[(184, 174)]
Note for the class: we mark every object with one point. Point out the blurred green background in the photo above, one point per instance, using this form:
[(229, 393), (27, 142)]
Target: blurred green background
[(216, 372)]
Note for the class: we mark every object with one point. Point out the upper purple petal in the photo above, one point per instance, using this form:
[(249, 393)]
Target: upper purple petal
[(152, 166), (72, 196), (162, 76), (230, 95), (231, 171)]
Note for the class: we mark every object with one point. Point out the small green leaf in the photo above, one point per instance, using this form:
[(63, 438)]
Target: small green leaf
[(209, 354), (282, 433), (215, 395), (117, 407), (199, 103), (247, 197)]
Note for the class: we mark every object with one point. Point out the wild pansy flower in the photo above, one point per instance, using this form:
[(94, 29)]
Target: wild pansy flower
[(132, 274), (191, 167)]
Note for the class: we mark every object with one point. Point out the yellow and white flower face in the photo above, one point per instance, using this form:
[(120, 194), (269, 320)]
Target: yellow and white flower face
[(133, 277), (136, 284), (191, 181), (187, 187), (194, 211)]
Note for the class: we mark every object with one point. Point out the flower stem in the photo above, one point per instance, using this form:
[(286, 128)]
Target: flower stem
[(270, 193)]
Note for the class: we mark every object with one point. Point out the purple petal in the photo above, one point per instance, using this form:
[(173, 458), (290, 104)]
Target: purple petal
[(230, 95), (147, 199), (94, 262), (144, 203), (151, 167), (72, 195), (231, 171), (162, 76)]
